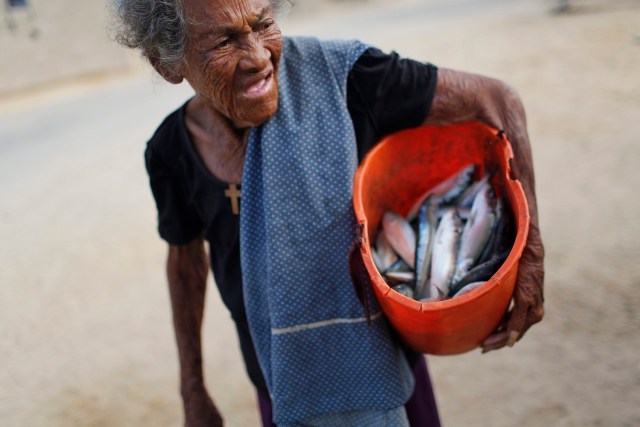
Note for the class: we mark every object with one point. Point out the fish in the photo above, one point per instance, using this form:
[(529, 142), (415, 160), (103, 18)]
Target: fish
[(429, 298), (463, 212), (462, 180), (507, 235), (399, 273), (427, 223), (495, 235), (377, 261), (480, 272), (400, 236), (468, 196), (384, 251), (447, 190), (404, 290), (445, 249), (398, 266), (468, 288), (476, 232), (403, 277)]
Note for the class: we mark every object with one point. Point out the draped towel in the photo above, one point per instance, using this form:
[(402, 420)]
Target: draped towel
[(316, 351)]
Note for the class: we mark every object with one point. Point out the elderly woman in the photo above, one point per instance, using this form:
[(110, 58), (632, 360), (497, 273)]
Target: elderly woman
[(287, 120)]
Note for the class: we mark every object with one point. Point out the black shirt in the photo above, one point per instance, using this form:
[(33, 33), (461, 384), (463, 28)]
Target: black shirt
[(385, 93)]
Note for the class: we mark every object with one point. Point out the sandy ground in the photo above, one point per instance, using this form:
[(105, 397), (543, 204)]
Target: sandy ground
[(86, 338)]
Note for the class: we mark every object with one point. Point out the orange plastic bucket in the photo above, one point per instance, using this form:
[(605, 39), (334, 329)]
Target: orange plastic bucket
[(392, 177)]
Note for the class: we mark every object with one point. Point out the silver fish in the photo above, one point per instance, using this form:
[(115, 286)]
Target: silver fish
[(463, 212), (445, 250), (468, 288), (385, 254), (480, 272), (401, 276), (404, 290), (427, 223), (436, 298), (496, 234), (466, 199), (377, 260), (398, 266), (447, 190), (476, 232), (462, 181), (400, 236)]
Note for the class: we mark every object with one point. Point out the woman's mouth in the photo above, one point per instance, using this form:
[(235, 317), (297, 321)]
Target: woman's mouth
[(259, 88)]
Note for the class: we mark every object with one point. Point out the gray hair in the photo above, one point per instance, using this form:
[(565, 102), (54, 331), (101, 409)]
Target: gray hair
[(158, 28)]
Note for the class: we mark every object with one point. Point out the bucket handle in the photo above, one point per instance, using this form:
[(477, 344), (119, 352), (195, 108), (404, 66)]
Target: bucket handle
[(358, 271)]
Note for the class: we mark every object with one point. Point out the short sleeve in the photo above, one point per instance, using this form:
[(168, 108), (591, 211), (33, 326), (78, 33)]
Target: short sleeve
[(178, 222), (387, 93)]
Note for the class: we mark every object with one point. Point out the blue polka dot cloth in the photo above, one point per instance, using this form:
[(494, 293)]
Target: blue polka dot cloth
[(316, 351)]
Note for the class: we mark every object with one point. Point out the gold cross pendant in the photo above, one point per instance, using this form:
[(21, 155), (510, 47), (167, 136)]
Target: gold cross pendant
[(234, 196)]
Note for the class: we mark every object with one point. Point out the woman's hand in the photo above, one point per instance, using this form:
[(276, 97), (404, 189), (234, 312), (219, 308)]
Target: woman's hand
[(199, 410)]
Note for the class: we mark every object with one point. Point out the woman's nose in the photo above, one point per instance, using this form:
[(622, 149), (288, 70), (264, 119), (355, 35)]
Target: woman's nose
[(255, 56)]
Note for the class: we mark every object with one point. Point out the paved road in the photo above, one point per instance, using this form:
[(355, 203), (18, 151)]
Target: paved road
[(84, 312)]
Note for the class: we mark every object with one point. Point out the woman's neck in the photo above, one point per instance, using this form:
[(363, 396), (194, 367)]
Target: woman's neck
[(219, 144)]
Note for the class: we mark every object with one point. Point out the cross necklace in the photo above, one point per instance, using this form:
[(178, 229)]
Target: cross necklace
[(234, 194)]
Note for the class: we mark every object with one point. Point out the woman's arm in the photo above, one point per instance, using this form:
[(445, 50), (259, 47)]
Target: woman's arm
[(462, 97), (187, 270)]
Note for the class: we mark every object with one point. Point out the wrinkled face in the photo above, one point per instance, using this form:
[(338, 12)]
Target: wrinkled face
[(232, 57)]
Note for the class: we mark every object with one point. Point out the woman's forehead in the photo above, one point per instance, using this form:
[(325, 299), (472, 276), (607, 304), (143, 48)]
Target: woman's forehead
[(225, 13)]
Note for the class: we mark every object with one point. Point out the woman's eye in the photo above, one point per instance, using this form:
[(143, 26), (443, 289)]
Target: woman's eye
[(224, 43), (265, 26)]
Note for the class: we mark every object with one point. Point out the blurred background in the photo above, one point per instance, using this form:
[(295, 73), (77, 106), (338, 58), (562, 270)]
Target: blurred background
[(85, 330)]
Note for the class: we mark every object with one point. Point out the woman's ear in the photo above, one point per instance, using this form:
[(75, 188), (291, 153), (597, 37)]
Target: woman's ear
[(169, 74)]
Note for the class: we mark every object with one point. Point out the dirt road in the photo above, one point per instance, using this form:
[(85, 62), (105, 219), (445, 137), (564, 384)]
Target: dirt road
[(84, 312)]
